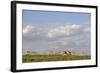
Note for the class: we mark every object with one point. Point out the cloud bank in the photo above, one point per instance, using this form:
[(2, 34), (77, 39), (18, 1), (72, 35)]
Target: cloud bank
[(66, 37)]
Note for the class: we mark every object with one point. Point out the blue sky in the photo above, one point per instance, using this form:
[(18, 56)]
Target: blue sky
[(45, 31), (44, 18)]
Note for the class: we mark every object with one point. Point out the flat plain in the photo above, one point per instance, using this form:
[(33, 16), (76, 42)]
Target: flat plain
[(56, 57)]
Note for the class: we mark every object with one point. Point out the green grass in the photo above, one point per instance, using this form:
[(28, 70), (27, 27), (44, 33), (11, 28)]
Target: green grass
[(44, 58)]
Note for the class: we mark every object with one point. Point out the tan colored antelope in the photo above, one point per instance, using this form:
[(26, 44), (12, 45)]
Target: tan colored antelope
[(67, 53)]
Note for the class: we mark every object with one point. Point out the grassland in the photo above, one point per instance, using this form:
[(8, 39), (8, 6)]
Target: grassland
[(44, 58)]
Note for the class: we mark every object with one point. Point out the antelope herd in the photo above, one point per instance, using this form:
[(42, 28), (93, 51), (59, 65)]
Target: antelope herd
[(51, 53), (67, 52)]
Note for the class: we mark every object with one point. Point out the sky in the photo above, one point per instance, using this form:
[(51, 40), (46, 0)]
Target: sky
[(45, 31)]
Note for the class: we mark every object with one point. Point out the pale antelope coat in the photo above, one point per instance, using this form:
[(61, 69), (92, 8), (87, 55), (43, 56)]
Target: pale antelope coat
[(67, 52)]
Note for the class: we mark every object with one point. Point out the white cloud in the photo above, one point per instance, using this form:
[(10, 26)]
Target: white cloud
[(87, 29), (75, 26), (54, 32), (63, 30), (32, 31), (27, 29)]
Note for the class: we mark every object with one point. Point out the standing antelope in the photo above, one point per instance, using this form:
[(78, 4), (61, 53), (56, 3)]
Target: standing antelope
[(67, 52)]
